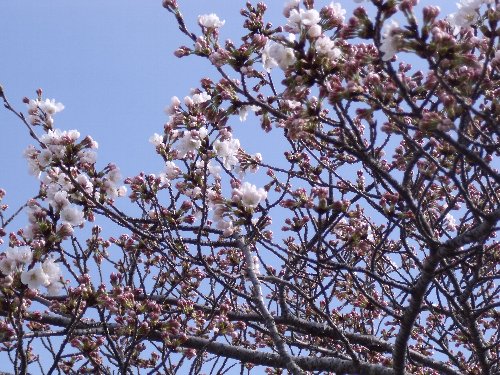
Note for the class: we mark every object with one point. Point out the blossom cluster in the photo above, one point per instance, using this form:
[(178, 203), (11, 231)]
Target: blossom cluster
[(19, 259), (41, 111), (66, 168), (279, 53), (211, 151)]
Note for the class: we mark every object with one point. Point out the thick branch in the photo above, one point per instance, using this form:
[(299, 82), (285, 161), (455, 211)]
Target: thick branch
[(268, 318), (477, 234), (299, 325)]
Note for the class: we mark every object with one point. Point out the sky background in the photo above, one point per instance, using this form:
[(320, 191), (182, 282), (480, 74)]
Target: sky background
[(111, 64)]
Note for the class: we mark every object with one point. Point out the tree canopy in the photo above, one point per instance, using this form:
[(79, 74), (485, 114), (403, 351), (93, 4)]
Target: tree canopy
[(366, 246)]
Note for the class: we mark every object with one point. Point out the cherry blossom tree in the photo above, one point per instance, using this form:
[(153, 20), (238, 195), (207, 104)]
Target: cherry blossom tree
[(369, 247)]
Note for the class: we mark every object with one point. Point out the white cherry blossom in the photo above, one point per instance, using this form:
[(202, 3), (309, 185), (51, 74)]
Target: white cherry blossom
[(214, 169), (172, 171), (48, 106), (337, 10), (44, 158), (314, 31), (249, 195), (121, 191), (201, 98), (156, 139), (173, 107), (210, 21), (114, 175), (275, 54), (450, 222), (193, 193), (84, 183), (227, 151), (389, 42), (20, 254), (326, 46), (7, 265), (31, 155), (87, 156), (243, 112), (467, 13), (53, 272), (52, 269), (289, 6), (301, 17), (188, 101), (59, 200), (35, 278), (72, 216), (223, 220), (54, 288), (190, 141)]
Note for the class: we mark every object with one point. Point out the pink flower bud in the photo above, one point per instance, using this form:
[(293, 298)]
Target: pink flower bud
[(170, 4), (430, 13), (182, 52)]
